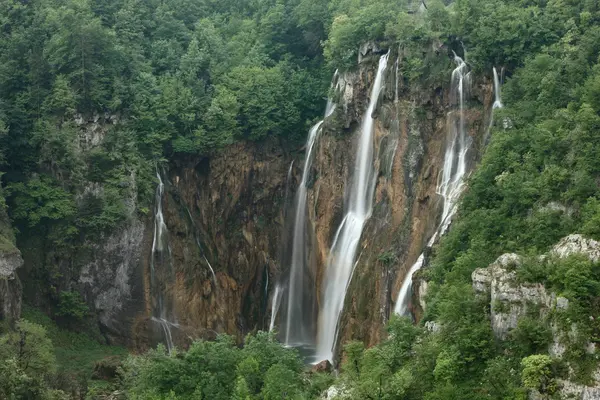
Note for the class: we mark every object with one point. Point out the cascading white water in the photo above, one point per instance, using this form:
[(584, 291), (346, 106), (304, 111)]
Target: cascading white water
[(455, 165), (159, 223), (341, 261), (497, 105), (296, 333), (161, 252), (451, 184), (166, 328), (298, 324), (212, 271), (275, 303), (397, 67), (330, 107), (497, 93)]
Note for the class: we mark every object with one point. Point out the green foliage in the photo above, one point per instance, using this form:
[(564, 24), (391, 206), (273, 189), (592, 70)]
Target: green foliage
[(537, 374), (218, 370), (40, 200), (27, 363), (71, 305), (76, 353)]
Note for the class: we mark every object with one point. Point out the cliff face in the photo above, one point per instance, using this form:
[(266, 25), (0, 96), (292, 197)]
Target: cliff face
[(512, 300), (10, 261), (225, 215), (224, 218), (411, 137)]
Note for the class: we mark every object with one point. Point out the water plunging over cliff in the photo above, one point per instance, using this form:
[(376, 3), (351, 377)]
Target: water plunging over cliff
[(275, 303), (298, 326), (299, 322), (341, 262), (497, 93), (451, 184), (160, 267)]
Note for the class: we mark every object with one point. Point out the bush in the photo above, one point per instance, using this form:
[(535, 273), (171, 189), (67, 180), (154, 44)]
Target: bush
[(71, 305)]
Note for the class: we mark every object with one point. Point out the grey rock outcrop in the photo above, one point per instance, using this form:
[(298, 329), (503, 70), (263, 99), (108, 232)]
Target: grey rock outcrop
[(10, 286), (577, 244), (509, 300), (111, 276)]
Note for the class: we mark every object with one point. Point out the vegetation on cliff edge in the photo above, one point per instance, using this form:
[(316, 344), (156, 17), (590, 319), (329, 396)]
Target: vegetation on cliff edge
[(188, 77)]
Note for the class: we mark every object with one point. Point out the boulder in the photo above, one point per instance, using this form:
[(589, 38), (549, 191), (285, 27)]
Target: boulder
[(324, 366)]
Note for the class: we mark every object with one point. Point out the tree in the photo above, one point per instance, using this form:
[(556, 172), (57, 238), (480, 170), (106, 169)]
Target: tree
[(537, 374), (30, 353), (281, 383)]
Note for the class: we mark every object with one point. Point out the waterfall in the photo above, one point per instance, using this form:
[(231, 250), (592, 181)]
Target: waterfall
[(160, 228), (159, 259), (275, 303), (497, 104), (341, 262), (212, 271), (451, 184), (298, 325), (497, 93), (297, 322), (405, 293), (330, 107), (396, 66)]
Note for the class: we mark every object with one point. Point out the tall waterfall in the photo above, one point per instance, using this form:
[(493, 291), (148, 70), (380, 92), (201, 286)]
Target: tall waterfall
[(341, 262), (298, 316), (160, 267), (451, 184), (298, 293)]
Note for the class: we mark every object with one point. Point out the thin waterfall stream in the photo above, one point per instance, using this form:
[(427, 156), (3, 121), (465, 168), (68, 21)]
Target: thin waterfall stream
[(341, 261), (454, 170), (160, 267)]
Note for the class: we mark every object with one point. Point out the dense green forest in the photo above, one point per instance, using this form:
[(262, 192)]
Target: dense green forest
[(186, 78)]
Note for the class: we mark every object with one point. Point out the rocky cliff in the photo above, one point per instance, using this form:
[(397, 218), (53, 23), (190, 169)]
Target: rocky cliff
[(224, 217), (10, 261), (411, 135), (511, 300)]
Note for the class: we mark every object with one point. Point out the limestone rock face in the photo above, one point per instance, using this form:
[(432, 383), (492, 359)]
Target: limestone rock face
[(511, 300), (10, 261), (10, 286), (111, 280), (577, 244), (323, 366)]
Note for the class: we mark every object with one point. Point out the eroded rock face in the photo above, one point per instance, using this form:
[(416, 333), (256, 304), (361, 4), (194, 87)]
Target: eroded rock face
[(10, 286), (410, 135), (511, 300), (10, 261), (577, 244), (111, 280), (225, 213), (323, 367)]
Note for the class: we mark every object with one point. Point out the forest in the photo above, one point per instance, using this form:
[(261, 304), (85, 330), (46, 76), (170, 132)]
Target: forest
[(188, 78)]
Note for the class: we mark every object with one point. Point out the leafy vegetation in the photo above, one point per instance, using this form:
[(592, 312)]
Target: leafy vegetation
[(186, 78)]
